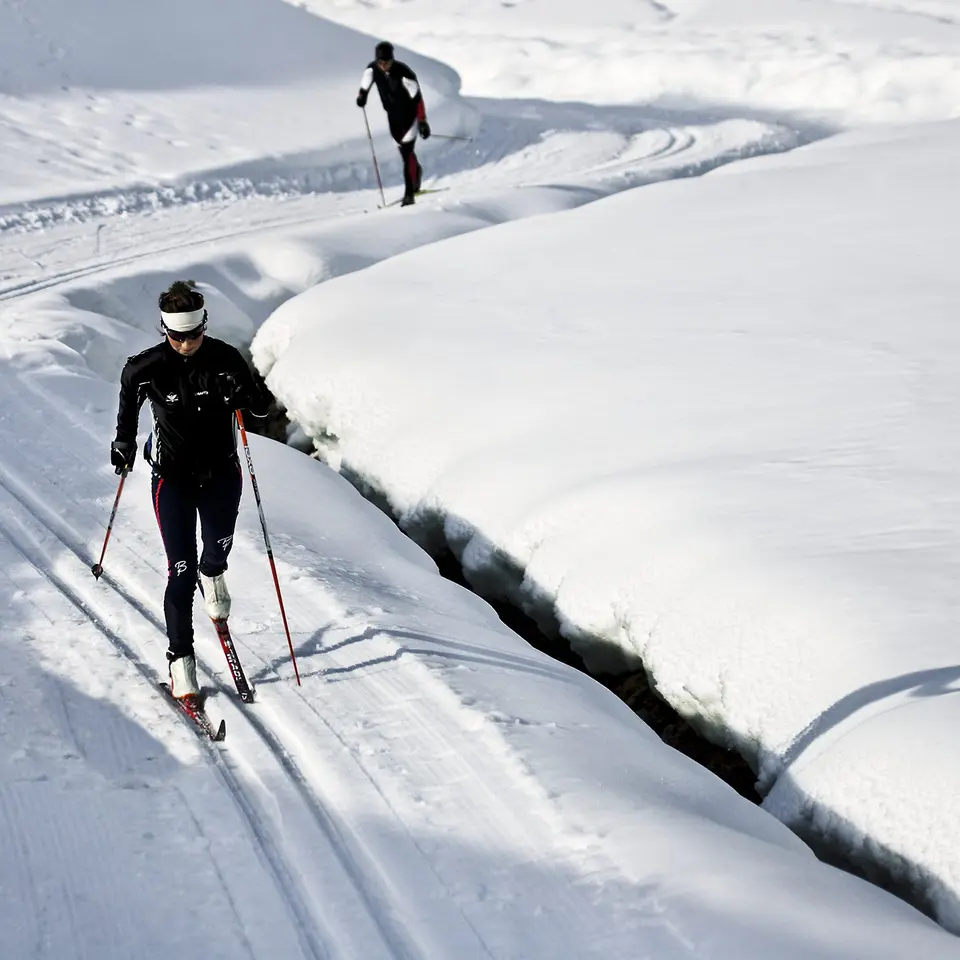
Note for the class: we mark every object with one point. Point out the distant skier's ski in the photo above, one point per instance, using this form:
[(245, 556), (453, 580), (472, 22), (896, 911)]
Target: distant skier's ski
[(233, 661), (192, 708), (420, 193)]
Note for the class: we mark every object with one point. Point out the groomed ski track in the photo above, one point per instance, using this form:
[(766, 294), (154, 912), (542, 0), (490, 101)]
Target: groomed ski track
[(288, 751), (341, 856), (31, 528), (61, 240)]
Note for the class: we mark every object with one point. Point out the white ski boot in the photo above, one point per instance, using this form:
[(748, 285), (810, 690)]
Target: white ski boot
[(183, 677), (216, 597)]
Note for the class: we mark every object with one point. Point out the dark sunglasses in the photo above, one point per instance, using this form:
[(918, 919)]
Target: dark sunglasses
[(181, 335)]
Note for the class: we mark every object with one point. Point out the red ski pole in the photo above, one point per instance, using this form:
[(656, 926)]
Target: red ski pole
[(266, 540), (97, 568)]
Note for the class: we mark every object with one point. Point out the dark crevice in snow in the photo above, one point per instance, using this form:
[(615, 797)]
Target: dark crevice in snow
[(830, 845), (868, 862), (632, 688)]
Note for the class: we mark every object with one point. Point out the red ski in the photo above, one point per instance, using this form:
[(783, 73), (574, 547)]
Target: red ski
[(192, 707), (233, 661)]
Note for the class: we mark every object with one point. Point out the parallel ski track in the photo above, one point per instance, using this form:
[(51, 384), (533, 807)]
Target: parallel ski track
[(25, 287), (283, 880), (310, 785), (394, 939), (298, 763), (679, 141)]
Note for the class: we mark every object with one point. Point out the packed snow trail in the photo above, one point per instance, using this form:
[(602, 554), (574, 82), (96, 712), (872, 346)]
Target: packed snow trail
[(574, 149), (435, 788), (262, 774), (383, 810), (31, 530), (322, 846)]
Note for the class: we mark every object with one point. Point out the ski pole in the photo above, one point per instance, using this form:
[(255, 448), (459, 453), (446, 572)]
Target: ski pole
[(266, 539), (97, 568), (376, 167), (449, 136)]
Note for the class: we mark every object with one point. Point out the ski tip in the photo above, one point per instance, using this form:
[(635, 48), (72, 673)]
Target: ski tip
[(221, 733)]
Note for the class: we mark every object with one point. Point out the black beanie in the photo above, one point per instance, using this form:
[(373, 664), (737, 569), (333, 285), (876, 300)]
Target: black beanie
[(384, 50)]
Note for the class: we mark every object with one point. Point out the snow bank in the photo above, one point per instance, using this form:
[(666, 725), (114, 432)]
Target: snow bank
[(837, 62), (708, 424)]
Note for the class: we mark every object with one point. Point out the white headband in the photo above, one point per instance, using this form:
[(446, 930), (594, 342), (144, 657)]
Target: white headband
[(181, 322)]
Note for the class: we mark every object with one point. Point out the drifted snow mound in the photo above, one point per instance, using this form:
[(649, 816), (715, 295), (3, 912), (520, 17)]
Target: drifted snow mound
[(99, 94), (840, 61), (709, 425), (49, 45)]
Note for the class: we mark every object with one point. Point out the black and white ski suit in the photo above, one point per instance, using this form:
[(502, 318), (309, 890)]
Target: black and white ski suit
[(193, 452), (402, 99)]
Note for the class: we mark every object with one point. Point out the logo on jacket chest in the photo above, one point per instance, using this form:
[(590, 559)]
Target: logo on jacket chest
[(173, 397)]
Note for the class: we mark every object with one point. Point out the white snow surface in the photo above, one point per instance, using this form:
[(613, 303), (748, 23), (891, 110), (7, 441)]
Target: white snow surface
[(182, 99), (837, 61), (688, 422), (707, 426)]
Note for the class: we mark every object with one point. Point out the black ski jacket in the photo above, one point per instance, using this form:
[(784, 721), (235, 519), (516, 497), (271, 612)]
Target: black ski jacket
[(193, 399), (399, 92)]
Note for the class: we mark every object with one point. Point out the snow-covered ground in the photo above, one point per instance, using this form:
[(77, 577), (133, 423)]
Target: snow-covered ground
[(181, 99), (680, 438), (725, 450), (832, 61)]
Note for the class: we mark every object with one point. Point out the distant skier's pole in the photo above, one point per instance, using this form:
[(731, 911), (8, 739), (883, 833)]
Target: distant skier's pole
[(97, 568), (376, 167), (449, 136), (266, 540)]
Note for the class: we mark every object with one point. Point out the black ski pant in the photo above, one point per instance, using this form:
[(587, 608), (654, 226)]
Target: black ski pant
[(178, 504)]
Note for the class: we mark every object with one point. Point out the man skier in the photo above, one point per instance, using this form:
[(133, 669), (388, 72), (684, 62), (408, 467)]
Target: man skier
[(194, 383), (406, 114)]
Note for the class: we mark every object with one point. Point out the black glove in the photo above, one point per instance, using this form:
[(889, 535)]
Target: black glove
[(122, 455), (362, 98), (231, 389), (424, 129)]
